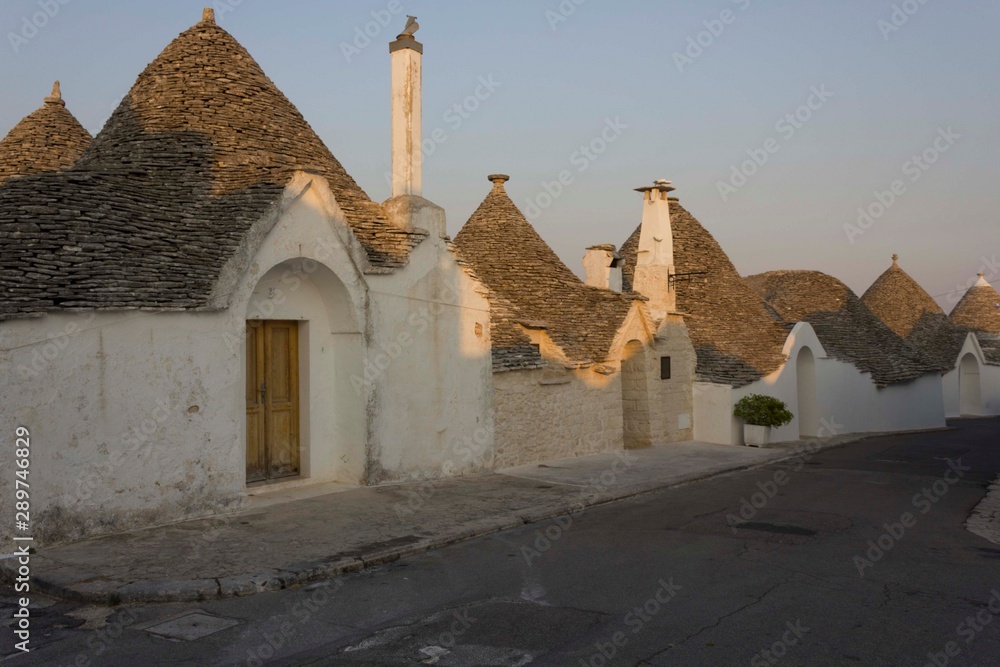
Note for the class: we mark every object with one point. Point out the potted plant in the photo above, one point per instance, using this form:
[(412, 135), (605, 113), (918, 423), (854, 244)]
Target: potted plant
[(760, 414)]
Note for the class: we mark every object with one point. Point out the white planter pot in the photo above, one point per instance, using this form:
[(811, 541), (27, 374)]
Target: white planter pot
[(756, 436)]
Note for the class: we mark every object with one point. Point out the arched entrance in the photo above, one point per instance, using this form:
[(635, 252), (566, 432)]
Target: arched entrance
[(635, 397), (805, 374), (303, 346), (969, 388)]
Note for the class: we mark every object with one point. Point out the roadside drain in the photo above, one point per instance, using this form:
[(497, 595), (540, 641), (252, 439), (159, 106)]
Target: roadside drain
[(191, 627)]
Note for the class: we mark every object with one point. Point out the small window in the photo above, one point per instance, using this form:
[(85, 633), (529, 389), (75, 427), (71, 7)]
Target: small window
[(664, 368)]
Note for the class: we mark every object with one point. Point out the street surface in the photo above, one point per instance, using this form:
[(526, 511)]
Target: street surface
[(854, 556)]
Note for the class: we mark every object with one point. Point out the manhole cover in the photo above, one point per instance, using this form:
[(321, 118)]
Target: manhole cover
[(191, 627)]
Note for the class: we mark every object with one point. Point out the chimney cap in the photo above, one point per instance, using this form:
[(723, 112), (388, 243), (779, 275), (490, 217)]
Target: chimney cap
[(498, 179), (662, 185)]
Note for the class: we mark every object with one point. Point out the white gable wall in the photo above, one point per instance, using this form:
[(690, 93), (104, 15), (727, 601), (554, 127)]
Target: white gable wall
[(429, 396), (139, 418), (989, 383), (847, 399)]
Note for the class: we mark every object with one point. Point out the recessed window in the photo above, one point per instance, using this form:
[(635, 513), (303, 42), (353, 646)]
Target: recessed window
[(664, 368)]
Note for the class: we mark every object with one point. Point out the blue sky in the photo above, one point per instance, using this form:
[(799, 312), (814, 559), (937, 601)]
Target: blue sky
[(895, 79)]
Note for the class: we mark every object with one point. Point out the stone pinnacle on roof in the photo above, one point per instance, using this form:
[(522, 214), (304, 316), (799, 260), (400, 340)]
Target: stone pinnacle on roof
[(56, 96), (498, 180), (48, 140), (208, 15)]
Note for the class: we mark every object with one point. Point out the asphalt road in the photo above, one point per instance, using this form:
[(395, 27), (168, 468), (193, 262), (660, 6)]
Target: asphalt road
[(856, 556)]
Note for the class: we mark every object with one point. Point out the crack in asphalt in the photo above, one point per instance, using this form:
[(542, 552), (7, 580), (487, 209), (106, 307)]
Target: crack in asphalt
[(718, 621)]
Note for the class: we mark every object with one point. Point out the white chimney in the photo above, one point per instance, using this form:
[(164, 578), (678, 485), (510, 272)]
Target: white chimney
[(655, 262), (407, 168), (603, 265)]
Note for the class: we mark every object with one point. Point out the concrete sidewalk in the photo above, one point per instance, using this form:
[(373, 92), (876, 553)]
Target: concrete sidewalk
[(281, 543)]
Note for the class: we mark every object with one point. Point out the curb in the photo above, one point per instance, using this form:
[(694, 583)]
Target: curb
[(76, 585)]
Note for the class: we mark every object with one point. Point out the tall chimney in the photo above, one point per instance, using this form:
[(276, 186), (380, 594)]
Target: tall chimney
[(655, 262), (407, 168)]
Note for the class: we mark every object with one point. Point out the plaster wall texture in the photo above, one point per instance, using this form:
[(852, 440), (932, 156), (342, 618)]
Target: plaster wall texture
[(553, 413), (544, 414), (989, 382), (139, 418), (430, 371), (848, 401)]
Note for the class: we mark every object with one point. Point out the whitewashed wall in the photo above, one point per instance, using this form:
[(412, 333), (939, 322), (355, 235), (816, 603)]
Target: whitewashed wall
[(139, 418), (989, 377), (848, 400), (429, 408)]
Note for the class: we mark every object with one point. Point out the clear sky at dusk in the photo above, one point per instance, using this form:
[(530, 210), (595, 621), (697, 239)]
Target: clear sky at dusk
[(885, 85)]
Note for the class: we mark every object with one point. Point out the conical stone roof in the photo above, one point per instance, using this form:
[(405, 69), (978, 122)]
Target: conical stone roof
[(48, 140), (898, 300), (198, 152), (906, 308), (529, 284), (979, 311), (736, 340), (846, 328)]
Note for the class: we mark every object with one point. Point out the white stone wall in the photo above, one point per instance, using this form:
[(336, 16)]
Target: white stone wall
[(139, 418), (672, 401), (848, 400), (429, 407), (542, 415), (989, 378)]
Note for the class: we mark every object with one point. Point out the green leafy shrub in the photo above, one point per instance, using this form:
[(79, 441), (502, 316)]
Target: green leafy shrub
[(758, 410)]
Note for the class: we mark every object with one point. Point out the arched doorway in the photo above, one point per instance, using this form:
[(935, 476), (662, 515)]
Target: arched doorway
[(635, 397), (303, 346), (969, 388), (805, 373)]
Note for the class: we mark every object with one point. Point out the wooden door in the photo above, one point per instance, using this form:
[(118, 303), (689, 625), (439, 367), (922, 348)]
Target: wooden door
[(272, 400)]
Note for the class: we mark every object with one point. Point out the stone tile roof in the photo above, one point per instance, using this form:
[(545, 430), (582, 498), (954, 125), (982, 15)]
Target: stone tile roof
[(906, 308), (530, 285), (735, 338), (198, 151), (846, 328), (48, 140), (979, 311)]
